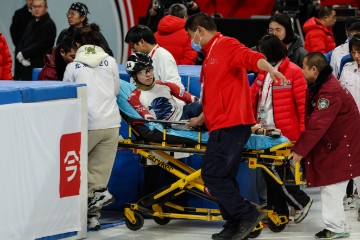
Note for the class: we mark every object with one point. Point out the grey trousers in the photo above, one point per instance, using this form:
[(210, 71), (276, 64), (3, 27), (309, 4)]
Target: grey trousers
[(102, 147)]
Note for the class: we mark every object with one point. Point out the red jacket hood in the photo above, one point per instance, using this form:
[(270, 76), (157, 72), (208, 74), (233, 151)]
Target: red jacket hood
[(49, 57), (170, 24), (314, 23)]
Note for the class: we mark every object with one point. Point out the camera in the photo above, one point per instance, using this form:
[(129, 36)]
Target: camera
[(188, 3), (291, 5)]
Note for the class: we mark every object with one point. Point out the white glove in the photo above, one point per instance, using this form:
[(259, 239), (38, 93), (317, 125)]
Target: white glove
[(22, 60), (20, 57), (25, 63)]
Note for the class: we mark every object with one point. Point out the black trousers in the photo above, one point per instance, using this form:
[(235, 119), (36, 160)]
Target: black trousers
[(220, 167), (279, 196), (350, 188)]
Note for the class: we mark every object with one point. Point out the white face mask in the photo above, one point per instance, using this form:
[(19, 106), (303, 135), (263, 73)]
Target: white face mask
[(196, 47)]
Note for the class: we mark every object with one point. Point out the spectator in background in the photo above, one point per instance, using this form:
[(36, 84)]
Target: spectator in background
[(330, 143), (303, 9), (350, 80), (38, 38), (154, 14), (5, 60), (352, 26), (192, 6), (281, 26), (142, 39), (319, 36), (20, 20), (281, 107), (58, 58), (159, 8), (172, 36), (77, 18), (99, 71)]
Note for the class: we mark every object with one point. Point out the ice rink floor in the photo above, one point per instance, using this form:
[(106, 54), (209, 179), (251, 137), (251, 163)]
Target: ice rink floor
[(202, 230)]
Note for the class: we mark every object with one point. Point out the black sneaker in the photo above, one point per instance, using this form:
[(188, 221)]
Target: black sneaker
[(327, 234), (225, 234), (246, 226)]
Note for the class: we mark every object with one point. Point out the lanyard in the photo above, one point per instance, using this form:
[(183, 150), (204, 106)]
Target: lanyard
[(202, 79), (154, 49), (262, 103), (207, 58)]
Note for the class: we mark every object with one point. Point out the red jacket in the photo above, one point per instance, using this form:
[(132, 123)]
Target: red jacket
[(226, 93), (288, 101), (172, 36), (318, 37), (5, 60), (331, 140)]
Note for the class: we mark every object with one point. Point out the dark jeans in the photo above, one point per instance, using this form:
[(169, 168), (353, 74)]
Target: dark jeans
[(220, 167), (191, 110)]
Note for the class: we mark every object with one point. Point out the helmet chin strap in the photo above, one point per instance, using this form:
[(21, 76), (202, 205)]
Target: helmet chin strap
[(144, 87)]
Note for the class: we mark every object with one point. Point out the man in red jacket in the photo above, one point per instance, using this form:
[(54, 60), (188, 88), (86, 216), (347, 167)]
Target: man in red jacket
[(227, 109), (319, 36), (172, 36), (330, 142)]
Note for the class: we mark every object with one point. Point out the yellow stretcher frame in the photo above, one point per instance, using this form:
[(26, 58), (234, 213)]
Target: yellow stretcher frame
[(190, 179)]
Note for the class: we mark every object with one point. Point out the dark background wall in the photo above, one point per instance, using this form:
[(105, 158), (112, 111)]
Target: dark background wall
[(248, 31)]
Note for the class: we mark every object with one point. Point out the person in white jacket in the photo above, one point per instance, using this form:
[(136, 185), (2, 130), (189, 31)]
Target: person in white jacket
[(99, 71), (350, 80), (142, 39)]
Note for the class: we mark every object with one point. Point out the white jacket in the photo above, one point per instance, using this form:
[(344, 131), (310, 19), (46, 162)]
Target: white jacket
[(336, 57), (350, 79), (100, 73), (165, 68)]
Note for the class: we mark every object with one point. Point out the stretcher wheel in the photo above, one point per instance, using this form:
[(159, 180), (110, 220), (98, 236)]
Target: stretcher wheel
[(138, 224), (162, 221), (272, 226), (255, 234)]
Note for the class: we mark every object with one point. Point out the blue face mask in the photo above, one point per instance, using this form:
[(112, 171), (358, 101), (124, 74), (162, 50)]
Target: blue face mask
[(195, 46)]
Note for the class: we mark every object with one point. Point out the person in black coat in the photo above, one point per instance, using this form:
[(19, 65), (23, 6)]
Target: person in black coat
[(159, 8), (20, 20), (39, 37), (77, 18)]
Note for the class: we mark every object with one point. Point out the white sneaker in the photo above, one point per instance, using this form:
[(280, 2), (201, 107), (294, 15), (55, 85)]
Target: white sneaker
[(301, 214), (93, 224), (101, 198), (349, 204)]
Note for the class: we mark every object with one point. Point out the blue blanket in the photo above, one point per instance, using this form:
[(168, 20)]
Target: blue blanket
[(255, 142)]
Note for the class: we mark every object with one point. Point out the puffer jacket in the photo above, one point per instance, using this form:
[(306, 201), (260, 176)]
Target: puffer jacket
[(318, 37), (172, 36), (288, 101), (331, 140), (5, 60)]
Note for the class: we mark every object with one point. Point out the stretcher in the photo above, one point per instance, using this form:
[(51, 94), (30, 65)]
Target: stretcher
[(153, 140)]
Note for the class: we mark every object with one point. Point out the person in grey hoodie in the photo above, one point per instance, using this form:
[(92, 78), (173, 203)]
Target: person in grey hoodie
[(99, 71), (281, 26)]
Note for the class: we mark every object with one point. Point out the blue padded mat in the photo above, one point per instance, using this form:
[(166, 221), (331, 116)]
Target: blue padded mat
[(27, 91)]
